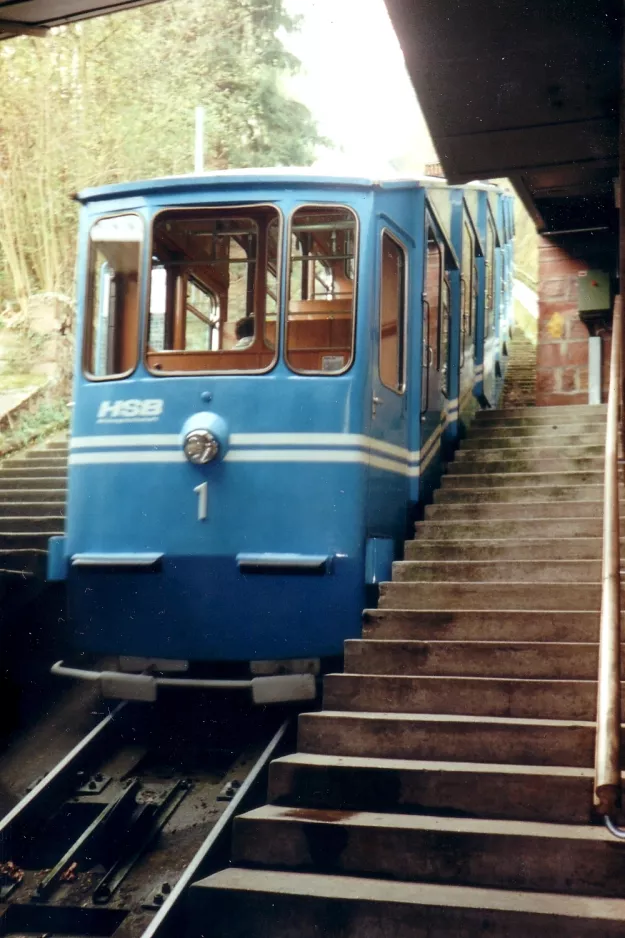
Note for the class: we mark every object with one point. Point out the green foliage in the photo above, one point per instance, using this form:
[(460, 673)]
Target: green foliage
[(31, 426), (114, 99)]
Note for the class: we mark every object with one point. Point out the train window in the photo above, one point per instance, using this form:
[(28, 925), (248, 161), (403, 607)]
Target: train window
[(112, 311), (490, 278), (468, 288), (321, 302), (213, 290), (393, 314), (444, 335), (433, 288)]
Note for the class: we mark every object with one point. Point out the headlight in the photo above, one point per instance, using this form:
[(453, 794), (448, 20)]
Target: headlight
[(200, 446)]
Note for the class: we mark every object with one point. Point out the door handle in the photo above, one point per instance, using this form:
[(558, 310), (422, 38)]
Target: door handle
[(377, 400)]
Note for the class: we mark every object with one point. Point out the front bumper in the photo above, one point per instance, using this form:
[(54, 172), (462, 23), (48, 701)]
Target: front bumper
[(279, 688)]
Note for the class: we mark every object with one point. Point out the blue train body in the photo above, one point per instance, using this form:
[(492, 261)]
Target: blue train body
[(373, 338)]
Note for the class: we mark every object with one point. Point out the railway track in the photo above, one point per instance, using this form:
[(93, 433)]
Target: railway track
[(107, 841)]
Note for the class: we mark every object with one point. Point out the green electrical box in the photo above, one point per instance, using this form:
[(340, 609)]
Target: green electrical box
[(594, 291)]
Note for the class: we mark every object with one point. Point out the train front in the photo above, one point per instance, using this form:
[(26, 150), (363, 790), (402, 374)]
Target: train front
[(218, 478)]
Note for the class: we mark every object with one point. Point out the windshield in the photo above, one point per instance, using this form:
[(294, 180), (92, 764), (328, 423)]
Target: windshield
[(214, 290)]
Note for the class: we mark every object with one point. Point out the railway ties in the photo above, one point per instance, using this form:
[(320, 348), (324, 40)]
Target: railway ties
[(446, 786), (105, 843)]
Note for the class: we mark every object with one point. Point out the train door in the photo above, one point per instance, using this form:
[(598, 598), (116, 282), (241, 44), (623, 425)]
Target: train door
[(436, 293), (389, 459)]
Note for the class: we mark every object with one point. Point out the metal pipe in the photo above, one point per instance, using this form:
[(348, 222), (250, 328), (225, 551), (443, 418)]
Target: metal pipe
[(608, 739)]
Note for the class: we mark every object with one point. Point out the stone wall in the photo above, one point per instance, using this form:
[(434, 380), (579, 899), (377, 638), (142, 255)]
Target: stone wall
[(562, 352)]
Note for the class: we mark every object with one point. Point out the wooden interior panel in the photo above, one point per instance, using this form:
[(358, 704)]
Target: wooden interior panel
[(319, 334), (325, 307), (127, 323), (239, 360)]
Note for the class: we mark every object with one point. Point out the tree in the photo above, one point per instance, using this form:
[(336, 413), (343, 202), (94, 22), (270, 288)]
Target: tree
[(113, 99)]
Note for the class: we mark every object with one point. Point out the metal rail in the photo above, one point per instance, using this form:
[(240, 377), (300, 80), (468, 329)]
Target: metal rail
[(608, 739)]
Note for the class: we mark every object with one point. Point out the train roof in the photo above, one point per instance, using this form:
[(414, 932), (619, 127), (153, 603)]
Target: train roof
[(304, 177)]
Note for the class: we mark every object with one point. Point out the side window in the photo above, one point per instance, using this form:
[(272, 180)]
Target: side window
[(322, 297), (392, 314), (112, 309), (444, 334), (468, 288), (490, 278), (433, 288)]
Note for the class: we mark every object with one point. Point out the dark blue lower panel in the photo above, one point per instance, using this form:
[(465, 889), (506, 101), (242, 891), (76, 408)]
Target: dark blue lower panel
[(205, 609)]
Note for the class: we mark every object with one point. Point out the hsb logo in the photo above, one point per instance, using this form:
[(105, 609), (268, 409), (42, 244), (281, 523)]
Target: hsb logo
[(131, 409)]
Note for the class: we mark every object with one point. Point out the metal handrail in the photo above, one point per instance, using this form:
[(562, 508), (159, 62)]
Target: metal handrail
[(608, 739)]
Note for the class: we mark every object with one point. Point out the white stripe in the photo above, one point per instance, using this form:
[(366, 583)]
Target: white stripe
[(321, 439), (253, 456), (139, 439), (266, 455), (88, 459)]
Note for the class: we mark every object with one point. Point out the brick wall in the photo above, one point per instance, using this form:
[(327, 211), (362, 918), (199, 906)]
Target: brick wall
[(562, 351)]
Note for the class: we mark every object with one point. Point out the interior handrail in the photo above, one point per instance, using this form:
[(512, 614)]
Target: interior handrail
[(608, 738)]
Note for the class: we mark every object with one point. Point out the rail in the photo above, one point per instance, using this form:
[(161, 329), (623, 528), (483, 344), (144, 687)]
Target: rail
[(608, 739)]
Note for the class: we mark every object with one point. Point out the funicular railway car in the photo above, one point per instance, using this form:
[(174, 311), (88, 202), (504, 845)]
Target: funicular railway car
[(271, 367)]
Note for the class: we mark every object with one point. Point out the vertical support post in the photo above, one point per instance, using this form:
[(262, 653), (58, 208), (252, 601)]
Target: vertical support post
[(199, 141)]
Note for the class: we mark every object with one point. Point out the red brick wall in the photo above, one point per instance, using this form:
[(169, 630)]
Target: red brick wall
[(562, 352)]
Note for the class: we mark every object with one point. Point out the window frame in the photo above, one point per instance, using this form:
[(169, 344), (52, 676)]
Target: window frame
[(490, 264), (213, 207), (88, 296), (328, 206), (402, 388)]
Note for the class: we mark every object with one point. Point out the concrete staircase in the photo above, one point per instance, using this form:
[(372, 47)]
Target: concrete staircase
[(519, 388), (446, 787), (32, 508)]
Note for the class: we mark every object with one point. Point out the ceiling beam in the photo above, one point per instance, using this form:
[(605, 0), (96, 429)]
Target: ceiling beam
[(16, 28)]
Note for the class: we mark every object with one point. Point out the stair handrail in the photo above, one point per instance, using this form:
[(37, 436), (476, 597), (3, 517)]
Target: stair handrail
[(608, 732)]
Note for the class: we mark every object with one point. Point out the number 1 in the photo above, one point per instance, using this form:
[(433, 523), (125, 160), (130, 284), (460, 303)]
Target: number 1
[(202, 501)]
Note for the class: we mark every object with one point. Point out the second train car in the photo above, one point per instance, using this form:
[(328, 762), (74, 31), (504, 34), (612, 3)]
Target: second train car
[(272, 369)]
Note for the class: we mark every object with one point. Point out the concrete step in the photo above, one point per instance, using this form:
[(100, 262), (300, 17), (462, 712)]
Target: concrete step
[(240, 903), (494, 528), (464, 511), (448, 737), (582, 597), (494, 440), (511, 454), (523, 494), (479, 659), (555, 794), (49, 524), (24, 560), (550, 434), (9, 470), (502, 854), (497, 571), (26, 540), (561, 699), (54, 507), (21, 479), (548, 412), (558, 415), (61, 444), (35, 461), (481, 625), (526, 465), (510, 425), (505, 549), (485, 479)]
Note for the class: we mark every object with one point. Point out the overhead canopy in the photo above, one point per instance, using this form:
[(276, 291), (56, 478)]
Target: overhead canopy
[(36, 17), (527, 89)]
